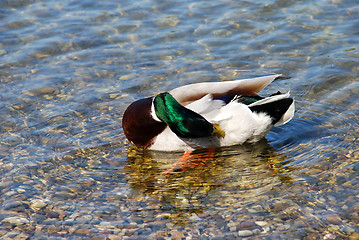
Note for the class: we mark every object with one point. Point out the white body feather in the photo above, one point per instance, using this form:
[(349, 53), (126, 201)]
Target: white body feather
[(239, 123)]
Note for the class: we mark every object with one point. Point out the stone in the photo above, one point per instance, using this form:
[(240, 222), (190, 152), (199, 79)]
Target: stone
[(354, 236), (333, 219), (16, 220), (245, 233), (52, 214), (83, 231), (261, 223), (246, 224), (176, 235), (10, 205), (37, 204)]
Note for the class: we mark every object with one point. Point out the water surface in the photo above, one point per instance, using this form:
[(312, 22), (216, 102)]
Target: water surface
[(69, 69)]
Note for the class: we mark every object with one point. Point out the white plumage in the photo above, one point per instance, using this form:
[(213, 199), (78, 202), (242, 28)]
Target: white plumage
[(236, 119)]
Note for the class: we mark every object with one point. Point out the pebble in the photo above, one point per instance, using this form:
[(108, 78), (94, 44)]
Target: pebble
[(328, 236), (256, 231), (52, 214), (37, 204), (163, 215), (83, 231), (261, 223), (246, 224), (53, 229), (176, 235), (283, 227), (194, 217), (16, 220), (333, 219), (12, 205), (354, 236), (114, 237), (10, 235), (245, 233)]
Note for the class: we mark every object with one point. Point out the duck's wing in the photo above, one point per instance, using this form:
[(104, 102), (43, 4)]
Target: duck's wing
[(192, 92)]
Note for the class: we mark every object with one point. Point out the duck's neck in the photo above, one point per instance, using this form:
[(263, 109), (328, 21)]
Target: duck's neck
[(184, 122)]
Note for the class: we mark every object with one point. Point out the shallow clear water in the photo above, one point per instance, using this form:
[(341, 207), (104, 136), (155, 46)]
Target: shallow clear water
[(69, 69)]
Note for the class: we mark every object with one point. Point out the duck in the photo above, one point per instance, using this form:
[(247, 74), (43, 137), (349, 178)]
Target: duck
[(207, 115)]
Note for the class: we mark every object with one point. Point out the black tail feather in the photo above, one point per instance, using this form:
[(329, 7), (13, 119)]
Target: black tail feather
[(274, 109)]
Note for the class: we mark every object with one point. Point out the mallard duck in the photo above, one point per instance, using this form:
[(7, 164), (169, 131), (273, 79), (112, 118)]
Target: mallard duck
[(206, 115)]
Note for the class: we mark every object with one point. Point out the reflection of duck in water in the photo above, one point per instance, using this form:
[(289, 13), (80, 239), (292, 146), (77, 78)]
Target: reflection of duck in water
[(254, 169), (190, 160), (206, 115)]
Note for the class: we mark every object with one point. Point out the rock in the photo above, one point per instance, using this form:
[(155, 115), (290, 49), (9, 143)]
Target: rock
[(37, 204), (163, 215), (354, 236), (245, 233), (194, 217), (261, 223), (333, 219), (53, 229), (246, 224), (156, 235), (84, 231), (11, 205), (10, 235), (232, 226), (176, 235), (22, 236), (348, 230), (328, 236), (279, 206), (16, 220), (114, 237), (52, 214), (355, 207)]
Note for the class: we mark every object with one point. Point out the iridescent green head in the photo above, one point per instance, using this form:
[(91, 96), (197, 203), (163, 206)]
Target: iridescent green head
[(182, 121)]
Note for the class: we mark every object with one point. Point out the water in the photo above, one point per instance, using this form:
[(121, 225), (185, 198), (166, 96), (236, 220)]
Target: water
[(69, 69)]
